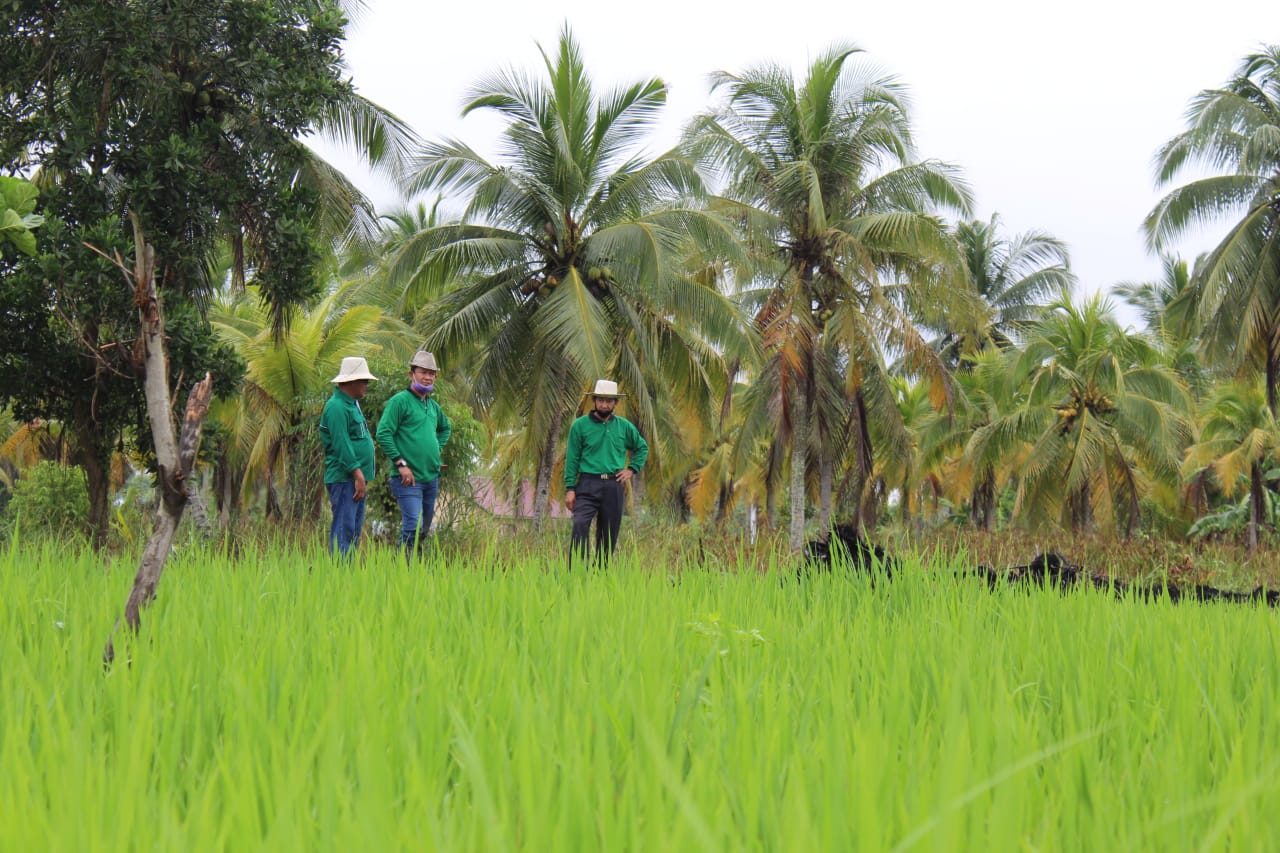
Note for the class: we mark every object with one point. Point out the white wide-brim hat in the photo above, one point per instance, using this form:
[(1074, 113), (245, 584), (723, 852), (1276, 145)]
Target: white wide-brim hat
[(604, 388), (425, 360), (353, 368)]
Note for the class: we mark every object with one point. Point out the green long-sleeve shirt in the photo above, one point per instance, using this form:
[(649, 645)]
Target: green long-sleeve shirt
[(414, 429), (600, 447), (346, 439)]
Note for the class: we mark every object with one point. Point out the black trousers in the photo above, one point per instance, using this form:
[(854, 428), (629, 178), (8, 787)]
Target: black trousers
[(601, 500)]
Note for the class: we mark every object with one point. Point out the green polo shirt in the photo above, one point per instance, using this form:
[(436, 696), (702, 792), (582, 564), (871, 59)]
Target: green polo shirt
[(414, 429), (600, 447), (346, 439)]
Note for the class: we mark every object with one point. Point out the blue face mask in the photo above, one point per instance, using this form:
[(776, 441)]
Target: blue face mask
[(422, 389)]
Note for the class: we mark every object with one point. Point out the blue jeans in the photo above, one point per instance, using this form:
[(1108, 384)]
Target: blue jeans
[(417, 504), (348, 517)]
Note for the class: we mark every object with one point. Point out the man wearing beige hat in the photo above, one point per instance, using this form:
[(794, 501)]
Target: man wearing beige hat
[(596, 467), (348, 453), (411, 431)]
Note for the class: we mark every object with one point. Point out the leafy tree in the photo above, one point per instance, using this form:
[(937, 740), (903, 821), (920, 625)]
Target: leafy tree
[(1234, 132), (570, 261), (160, 128), (821, 176), (17, 214)]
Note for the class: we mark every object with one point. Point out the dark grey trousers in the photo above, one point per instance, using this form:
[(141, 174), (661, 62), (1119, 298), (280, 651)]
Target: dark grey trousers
[(600, 500)]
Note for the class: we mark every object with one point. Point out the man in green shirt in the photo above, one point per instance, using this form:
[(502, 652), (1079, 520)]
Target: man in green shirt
[(411, 432), (348, 453), (596, 467)]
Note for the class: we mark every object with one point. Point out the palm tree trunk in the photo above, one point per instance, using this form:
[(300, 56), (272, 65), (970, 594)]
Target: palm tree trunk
[(854, 484), (1257, 498), (982, 500), (274, 510), (1081, 508), (906, 505), (770, 504), (227, 480), (546, 462), (799, 453), (826, 475), (1273, 373)]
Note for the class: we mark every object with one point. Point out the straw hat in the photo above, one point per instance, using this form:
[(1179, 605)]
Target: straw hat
[(425, 360), (353, 368), (604, 388)]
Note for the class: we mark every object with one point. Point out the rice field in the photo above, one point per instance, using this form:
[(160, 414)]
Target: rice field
[(286, 702)]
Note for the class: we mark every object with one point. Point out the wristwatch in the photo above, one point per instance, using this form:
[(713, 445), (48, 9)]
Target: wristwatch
[(400, 463)]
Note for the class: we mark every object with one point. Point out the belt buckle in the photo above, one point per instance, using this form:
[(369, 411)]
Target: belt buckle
[(606, 476)]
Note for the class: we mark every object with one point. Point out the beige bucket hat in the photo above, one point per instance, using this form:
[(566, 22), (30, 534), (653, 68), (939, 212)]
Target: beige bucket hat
[(353, 368), (425, 360), (604, 388)]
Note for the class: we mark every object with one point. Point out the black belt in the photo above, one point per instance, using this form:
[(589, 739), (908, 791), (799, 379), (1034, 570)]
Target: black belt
[(598, 476)]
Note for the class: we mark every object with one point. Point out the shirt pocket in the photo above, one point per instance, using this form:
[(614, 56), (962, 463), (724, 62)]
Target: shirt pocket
[(357, 429)]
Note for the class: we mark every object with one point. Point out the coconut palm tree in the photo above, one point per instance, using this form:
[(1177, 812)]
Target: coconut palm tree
[(1167, 307), (1234, 132), (1238, 437), (820, 173), (287, 382), (1102, 416), (571, 259), (971, 471), (1014, 279)]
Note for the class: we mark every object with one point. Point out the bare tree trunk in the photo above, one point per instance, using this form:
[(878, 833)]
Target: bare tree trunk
[(799, 454), (174, 458), (546, 462)]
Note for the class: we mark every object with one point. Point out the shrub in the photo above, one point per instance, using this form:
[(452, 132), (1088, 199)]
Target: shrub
[(48, 499)]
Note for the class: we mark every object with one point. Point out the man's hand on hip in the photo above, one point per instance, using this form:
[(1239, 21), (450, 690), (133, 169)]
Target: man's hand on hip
[(625, 474)]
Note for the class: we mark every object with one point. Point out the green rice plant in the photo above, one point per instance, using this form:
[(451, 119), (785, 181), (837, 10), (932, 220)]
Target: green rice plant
[(488, 700)]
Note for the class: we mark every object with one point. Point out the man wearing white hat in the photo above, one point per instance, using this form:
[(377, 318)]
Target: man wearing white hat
[(595, 468), (411, 431), (348, 453)]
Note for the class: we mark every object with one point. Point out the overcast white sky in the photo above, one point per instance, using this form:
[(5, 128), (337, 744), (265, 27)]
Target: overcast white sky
[(1053, 110)]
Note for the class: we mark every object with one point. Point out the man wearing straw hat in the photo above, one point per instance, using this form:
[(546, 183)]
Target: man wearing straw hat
[(348, 453), (596, 467), (411, 432)]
